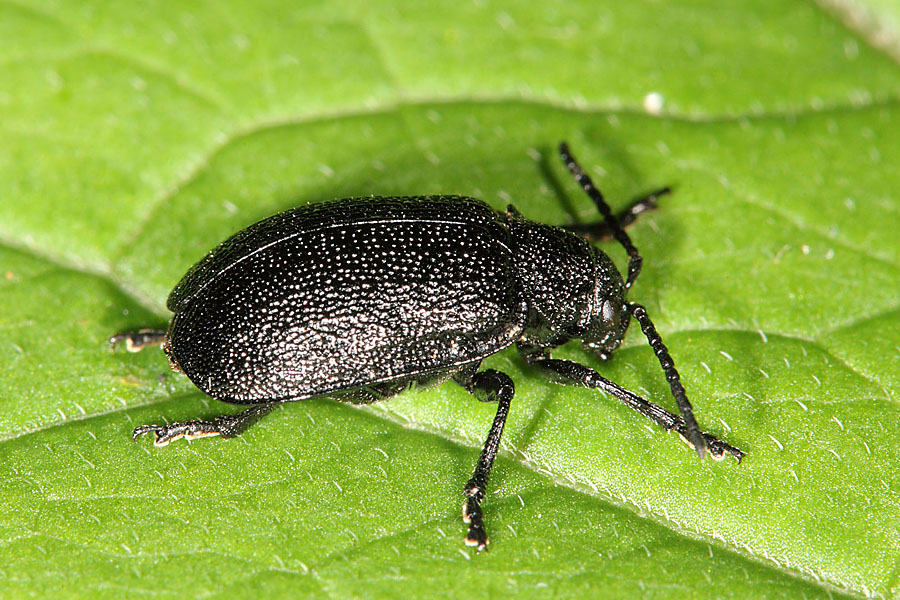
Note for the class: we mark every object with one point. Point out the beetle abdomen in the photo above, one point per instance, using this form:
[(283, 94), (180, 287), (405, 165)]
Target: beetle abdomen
[(332, 297)]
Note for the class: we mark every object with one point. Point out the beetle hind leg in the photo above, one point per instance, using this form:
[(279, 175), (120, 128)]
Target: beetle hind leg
[(135, 341), (228, 426), (488, 386)]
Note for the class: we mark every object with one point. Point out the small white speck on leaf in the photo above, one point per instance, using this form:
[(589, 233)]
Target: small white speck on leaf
[(653, 103)]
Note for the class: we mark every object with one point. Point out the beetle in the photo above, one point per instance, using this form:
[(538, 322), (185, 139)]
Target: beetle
[(361, 298)]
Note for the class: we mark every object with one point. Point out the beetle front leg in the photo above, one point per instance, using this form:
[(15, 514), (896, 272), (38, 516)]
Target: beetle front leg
[(487, 386), (228, 426), (573, 373), (135, 341)]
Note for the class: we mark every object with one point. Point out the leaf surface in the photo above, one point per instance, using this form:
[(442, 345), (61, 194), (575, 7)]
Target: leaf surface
[(138, 137)]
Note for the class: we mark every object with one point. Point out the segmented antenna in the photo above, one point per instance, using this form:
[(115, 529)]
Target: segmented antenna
[(636, 310), (634, 259)]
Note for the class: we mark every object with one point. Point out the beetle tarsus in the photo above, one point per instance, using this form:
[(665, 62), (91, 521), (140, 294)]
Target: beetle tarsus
[(228, 426), (718, 449), (714, 447), (135, 341), (174, 431), (477, 534)]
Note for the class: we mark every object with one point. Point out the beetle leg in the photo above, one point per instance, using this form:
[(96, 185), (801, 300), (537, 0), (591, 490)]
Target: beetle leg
[(573, 373), (601, 231), (488, 386), (135, 341), (228, 426)]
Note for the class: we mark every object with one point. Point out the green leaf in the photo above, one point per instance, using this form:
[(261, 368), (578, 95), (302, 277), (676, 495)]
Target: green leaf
[(137, 137)]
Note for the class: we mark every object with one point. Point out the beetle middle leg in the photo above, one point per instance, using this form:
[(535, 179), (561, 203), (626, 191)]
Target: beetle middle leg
[(228, 426), (573, 373), (487, 386), (601, 231)]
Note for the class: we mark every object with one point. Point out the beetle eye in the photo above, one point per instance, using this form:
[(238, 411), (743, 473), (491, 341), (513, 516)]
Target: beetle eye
[(608, 312)]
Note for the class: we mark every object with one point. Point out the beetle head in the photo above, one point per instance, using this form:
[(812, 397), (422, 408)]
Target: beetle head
[(609, 316)]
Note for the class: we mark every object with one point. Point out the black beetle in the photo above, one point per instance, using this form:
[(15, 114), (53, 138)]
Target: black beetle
[(360, 298)]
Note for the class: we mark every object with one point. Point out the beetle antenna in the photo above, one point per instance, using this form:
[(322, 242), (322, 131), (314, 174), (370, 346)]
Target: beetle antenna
[(634, 259), (695, 436)]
